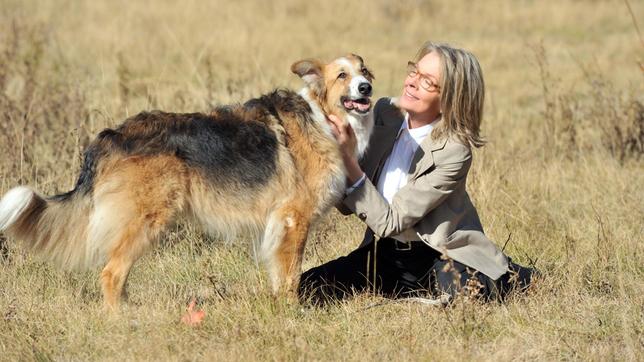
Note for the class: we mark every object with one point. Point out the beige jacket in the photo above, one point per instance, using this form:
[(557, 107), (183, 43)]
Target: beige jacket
[(433, 203)]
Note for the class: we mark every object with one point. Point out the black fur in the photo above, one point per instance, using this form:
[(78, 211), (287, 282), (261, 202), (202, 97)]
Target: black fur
[(226, 145), (85, 182), (228, 149)]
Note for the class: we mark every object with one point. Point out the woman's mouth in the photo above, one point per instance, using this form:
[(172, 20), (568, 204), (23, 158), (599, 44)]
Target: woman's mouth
[(409, 95)]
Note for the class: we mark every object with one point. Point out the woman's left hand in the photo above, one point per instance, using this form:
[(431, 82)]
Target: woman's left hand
[(347, 141)]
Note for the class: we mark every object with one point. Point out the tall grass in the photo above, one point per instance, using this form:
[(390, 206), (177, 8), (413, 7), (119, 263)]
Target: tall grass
[(559, 185)]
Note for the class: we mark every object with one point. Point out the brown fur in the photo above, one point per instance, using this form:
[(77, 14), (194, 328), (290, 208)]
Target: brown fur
[(136, 195)]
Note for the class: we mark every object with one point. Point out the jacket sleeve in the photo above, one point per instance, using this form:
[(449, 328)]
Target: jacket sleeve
[(416, 199)]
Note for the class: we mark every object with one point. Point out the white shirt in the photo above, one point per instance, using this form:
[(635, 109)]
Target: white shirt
[(394, 173)]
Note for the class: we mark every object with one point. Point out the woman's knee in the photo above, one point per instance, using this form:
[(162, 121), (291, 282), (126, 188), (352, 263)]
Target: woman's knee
[(455, 279), (517, 279), (335, 279)]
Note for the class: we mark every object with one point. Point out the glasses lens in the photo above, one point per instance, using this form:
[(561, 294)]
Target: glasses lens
[(425, 83)]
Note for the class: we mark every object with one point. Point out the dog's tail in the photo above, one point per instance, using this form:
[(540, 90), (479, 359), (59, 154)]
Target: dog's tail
[(53, 228)]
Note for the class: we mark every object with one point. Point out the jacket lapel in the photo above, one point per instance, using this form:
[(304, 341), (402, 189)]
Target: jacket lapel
[(423, 158), (384, 137)]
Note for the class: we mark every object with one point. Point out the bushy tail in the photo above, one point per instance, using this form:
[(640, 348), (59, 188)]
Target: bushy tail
[(55, 229)]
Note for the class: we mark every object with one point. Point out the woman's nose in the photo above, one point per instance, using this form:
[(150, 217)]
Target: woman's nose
[(411, 81)]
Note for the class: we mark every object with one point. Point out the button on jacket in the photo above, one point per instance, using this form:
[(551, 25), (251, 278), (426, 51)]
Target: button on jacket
[(433, 204)]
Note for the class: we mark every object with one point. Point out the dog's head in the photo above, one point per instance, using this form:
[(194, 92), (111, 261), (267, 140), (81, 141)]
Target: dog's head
[(343, 88)]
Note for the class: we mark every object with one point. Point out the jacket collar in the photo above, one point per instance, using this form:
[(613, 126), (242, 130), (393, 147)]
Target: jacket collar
[(428, 144), (423, 158)]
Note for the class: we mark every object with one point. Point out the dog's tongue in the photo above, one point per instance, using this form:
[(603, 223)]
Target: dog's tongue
[(361, 106)]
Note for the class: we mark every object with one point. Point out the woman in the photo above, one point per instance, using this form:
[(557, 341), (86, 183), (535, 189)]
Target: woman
[(424, 235)]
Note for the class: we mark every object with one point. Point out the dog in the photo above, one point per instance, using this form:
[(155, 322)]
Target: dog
[(270, 167)]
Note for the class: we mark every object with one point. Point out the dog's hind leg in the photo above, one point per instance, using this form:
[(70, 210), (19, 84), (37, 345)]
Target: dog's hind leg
[(132, 208), (284, 243), (128, 249)]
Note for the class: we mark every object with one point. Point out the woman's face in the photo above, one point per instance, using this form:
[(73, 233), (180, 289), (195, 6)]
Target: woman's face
[(421, 96)]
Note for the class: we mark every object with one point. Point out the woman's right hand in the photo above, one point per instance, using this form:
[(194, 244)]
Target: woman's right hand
[(347, 141), (344, 135)]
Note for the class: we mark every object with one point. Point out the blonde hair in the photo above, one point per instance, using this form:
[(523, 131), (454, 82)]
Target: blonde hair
[(462, 94)]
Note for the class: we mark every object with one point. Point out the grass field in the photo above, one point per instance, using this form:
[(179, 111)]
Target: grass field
[(561, 180)]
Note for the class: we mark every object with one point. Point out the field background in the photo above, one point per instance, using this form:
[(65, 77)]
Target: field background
[(561, 180)]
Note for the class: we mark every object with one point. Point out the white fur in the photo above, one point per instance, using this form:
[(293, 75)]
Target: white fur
[(362, 127), (289, 222), (349, 66), (13, 204), (273, 234), (354, 92), (103, 230)]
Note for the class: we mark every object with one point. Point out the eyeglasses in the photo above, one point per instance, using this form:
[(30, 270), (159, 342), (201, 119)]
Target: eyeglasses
[(425, 82)]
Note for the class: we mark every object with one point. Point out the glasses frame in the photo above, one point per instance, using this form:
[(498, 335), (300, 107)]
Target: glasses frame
[(425, 82)]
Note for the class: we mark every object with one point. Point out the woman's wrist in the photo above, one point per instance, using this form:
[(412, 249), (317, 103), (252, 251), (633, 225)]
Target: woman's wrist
[(354, 172)]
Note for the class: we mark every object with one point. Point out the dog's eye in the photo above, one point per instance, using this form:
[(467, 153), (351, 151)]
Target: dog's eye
[(365, 72), (342, 75)]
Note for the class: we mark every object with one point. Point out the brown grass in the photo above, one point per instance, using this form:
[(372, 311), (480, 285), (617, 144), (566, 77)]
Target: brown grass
[(561, 179)]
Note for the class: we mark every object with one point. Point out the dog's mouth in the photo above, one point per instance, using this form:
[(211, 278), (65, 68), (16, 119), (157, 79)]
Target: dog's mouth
[(359, 105)]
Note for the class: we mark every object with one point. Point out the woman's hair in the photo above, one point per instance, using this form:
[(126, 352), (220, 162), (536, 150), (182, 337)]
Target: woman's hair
[(462, 94)]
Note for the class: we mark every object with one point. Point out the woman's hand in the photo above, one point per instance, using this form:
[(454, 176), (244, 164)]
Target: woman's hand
[(344, 135), (347, 141)]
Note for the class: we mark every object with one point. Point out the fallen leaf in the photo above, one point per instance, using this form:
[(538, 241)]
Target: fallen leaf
[(193, 317)]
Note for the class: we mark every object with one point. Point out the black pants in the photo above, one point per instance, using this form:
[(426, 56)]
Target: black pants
[(393, 269)]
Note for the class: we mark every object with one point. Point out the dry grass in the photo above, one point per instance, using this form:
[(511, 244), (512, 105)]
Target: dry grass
[(561, 179)]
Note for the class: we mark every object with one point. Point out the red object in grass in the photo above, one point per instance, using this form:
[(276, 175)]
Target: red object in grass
[(193, 317)]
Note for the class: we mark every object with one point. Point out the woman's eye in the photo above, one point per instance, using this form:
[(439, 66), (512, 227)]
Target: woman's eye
[(342, 75)]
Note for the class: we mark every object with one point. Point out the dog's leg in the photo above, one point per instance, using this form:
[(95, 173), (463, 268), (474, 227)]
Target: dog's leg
[(132, 208), (127, 251), (291, 249), (113, 278), (290, 227)]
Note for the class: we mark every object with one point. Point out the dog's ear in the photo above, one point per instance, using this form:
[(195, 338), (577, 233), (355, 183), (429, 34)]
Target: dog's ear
[(358, 57), (310, 70), (365, 70)]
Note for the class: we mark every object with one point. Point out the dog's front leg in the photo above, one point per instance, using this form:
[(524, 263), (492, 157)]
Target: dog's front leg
[(289, 230)]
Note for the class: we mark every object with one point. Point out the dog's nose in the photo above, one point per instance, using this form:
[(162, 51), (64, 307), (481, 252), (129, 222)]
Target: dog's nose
[(365, 89)]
